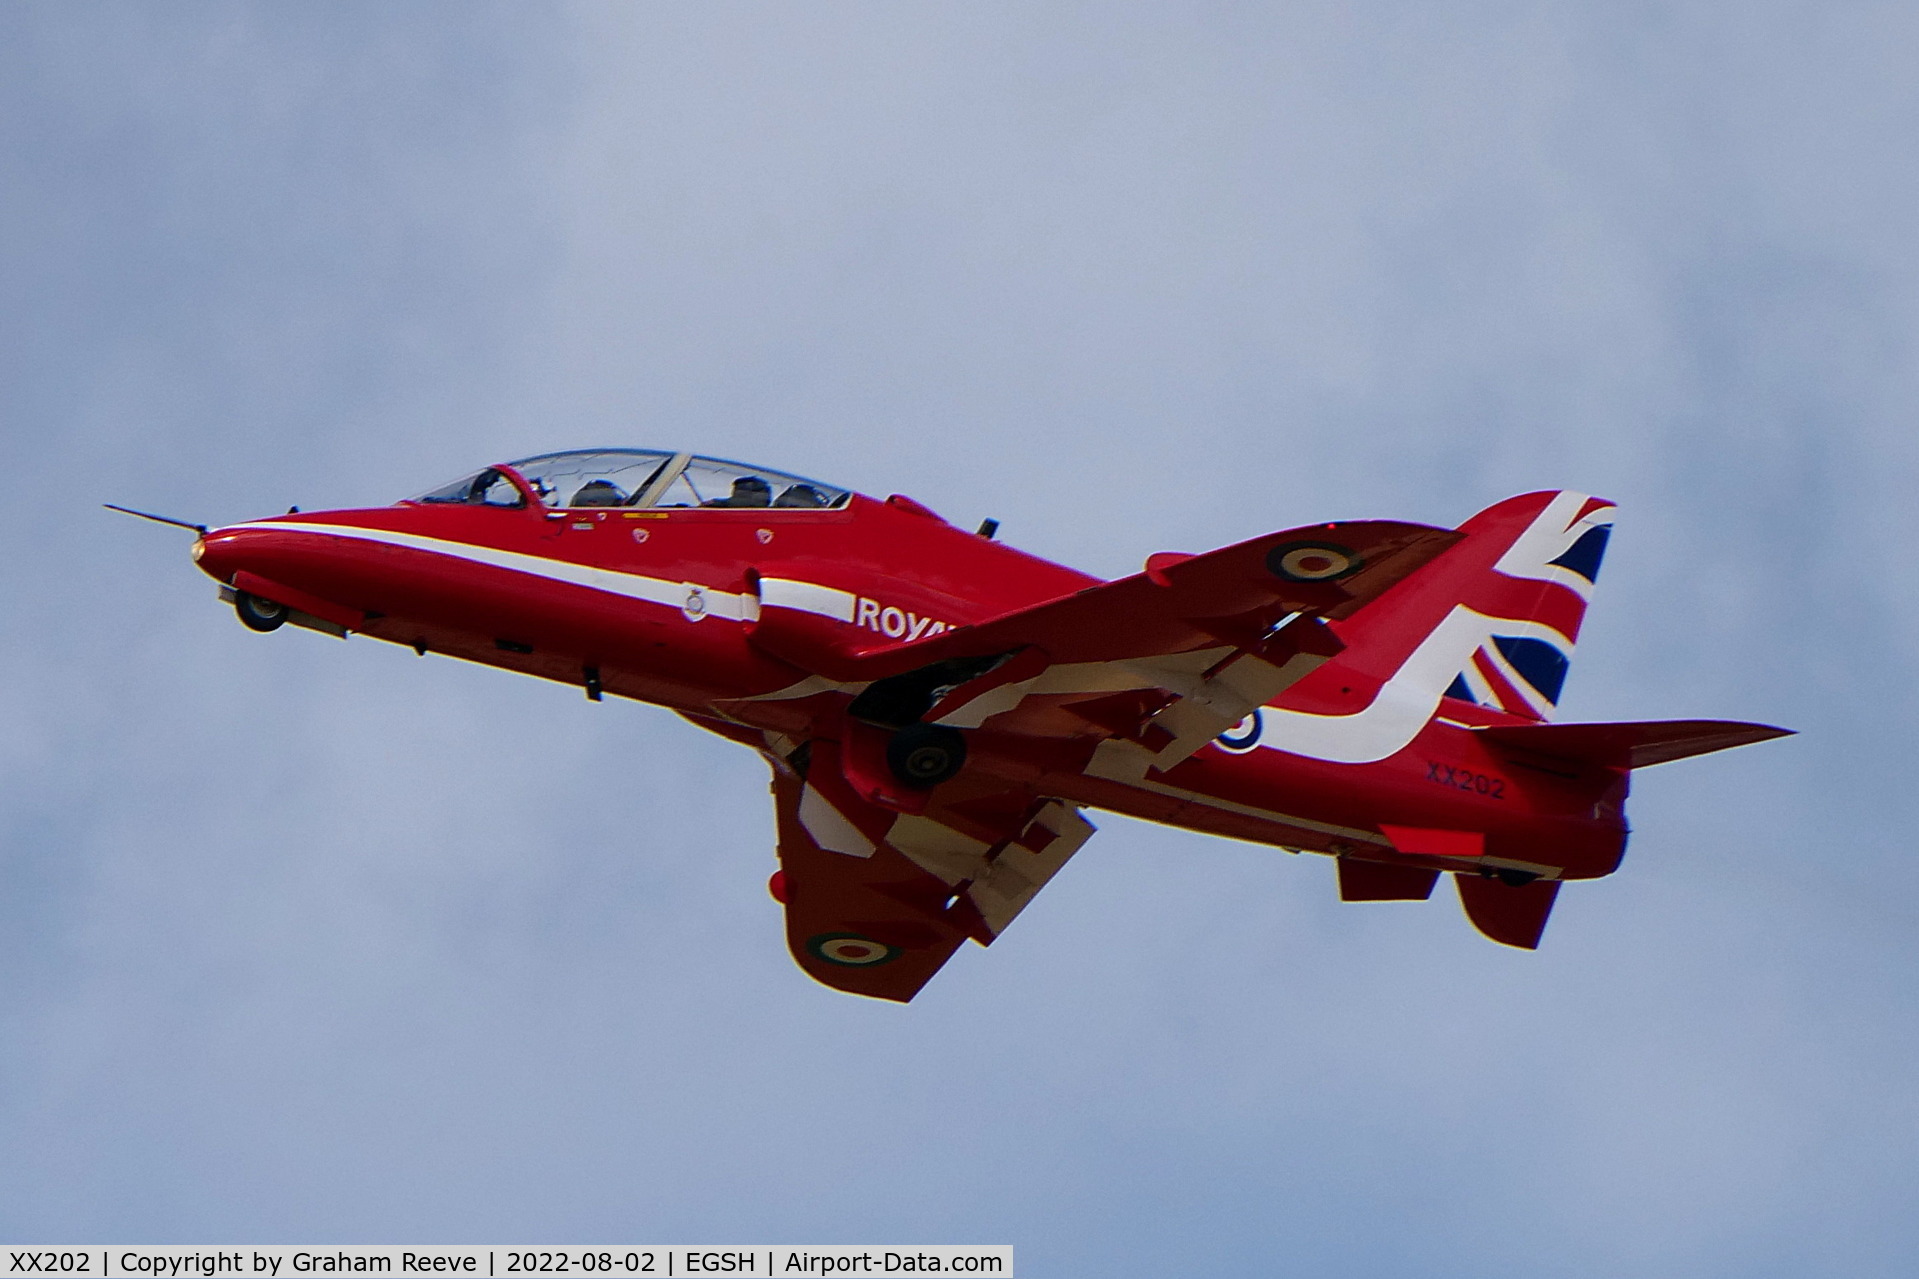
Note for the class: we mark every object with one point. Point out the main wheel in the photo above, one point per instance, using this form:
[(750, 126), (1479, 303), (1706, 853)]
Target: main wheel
[(258, 614), (924, 755)]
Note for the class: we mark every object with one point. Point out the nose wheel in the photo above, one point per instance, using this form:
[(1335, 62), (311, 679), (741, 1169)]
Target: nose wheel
[(258, 614), (924, 755)]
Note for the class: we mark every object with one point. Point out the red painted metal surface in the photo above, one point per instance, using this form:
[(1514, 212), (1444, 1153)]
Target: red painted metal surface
[(1373, 691)]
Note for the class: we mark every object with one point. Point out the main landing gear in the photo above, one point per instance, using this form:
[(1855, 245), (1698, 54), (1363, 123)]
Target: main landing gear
[(258, 614), (924, 755)]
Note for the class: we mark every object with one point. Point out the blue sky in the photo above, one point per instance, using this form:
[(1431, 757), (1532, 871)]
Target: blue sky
[(311, 941)]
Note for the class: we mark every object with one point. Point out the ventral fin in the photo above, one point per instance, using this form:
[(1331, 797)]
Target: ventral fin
[(1511, 914), (1361, 881)]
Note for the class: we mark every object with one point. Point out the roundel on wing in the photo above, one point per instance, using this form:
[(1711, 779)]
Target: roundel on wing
[(1311, 562), (851, 950), (1243, 736)]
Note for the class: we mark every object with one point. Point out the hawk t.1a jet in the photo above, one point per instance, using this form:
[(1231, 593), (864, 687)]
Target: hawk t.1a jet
[(940, 709)]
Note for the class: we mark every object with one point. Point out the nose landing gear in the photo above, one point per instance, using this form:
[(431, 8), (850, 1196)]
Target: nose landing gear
[(258, 614), (924, 755)]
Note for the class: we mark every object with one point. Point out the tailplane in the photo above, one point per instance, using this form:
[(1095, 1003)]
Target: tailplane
[(1631, 744)]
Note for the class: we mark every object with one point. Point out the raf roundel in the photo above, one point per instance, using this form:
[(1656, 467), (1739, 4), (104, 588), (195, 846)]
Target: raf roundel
[(851, 950), (1243, 736), (1311, 562)]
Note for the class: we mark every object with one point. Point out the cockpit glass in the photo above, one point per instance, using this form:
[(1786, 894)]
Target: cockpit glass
[(651, 478), (600, 477), (487, 488), (711, 482)]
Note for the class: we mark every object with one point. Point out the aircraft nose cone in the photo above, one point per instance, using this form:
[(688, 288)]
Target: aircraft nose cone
[(220, 554)]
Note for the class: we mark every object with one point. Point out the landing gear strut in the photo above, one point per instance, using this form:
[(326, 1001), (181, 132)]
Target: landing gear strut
[(924, 755), (258, 614)]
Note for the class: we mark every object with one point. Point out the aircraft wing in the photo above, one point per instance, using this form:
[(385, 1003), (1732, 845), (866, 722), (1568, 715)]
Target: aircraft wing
[(1170, 657), (877, 901), (1178, 603), (1233, 595)]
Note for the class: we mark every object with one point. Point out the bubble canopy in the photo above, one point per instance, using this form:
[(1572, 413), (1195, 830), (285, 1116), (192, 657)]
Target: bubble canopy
[(639, 479)]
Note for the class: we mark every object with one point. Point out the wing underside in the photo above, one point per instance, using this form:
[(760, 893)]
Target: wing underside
[(878, 900)]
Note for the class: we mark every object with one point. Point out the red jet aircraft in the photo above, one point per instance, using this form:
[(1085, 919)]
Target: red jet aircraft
[(938, 708)]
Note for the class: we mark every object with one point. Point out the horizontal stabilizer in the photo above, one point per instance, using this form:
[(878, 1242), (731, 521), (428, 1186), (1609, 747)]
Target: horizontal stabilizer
[(1631, 745), (1512, 914)]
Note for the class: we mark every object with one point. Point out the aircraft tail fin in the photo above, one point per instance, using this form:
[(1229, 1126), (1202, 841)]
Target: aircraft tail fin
[(1493, 620), (1543, 582)]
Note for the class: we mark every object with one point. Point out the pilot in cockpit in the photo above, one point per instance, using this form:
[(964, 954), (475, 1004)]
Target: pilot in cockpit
[(748, 490), (801, 496), (613, 478), (598, 493)]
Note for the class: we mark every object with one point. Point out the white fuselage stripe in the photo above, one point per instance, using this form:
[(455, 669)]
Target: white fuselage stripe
[(1404, 704), (807, 597), (653, 590)]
